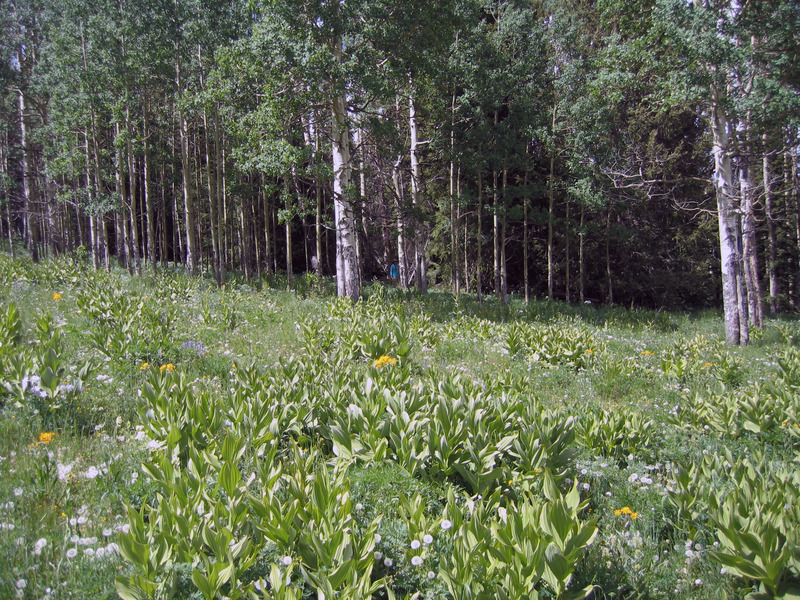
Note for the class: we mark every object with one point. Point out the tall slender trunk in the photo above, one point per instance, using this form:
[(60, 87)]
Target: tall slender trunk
[(134, 194), (503, 229), (148, 196), (566, 252), (123, 246), (211, 176), (772, 236), (347, 281), (402, 261), (581, 259), (188, 193), (479, 243), (525, 257), (551, 214), (29, 216), (498, 286), (94, 242), (421, 233), (454, 278), (218, 193), (609, 280), (749, 248), (736, 327)]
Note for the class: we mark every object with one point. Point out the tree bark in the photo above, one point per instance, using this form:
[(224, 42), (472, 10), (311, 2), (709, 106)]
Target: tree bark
[(736, 328), (749, 248), (525, 258), (347, 282), (402, 261), (148, 196), (421, 230), (29, 217), (772, 237)]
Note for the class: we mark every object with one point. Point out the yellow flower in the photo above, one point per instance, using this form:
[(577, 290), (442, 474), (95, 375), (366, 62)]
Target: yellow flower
[(708, 365), (47, 436), (617, 512), (646, 353), (626, 510), (166, 367), (590, 352), (385, 360), (56, 296), (144, 366), (634, 515)]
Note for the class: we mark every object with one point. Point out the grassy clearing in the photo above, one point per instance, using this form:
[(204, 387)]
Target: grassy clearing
[(162, 438)]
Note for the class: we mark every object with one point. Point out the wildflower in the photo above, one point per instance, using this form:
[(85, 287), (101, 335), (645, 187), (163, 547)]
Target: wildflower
[(416, 561), (18, 492), (415, 544), (47, 436), (646, 353), (378, 538), (21, 584), (378, 555), (431, 575), (384, 360), (286, 560), (39, 546), (446, 524), (56, 296), (707, 365), (144, 366), (388, 562), (166, 367), (427, 538), (72, 553)]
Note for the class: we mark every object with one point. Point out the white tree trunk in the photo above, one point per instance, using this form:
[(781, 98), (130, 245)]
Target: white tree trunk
[(347, 282), (736, 331), (421, 233)]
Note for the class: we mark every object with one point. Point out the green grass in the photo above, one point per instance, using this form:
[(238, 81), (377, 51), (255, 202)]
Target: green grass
[(64, 502)]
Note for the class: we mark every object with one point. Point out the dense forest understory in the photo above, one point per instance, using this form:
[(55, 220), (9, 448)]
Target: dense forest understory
[(636, 153)]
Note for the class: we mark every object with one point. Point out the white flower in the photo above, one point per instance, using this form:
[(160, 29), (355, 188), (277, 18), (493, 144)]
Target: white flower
[(431, 575), (446, 524), (416, 561), (21, 584), (378, 538), (286, 560), (18, 492), (723, 571), (427, 538), (698, 582), (378, 555), (415, 544), (633, 478), (387, 562), (502, 512), (39, 546), (89, 552), (359, 506), (107, 532)]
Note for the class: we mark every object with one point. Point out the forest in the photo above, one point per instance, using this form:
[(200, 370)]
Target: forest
[(631, 152)]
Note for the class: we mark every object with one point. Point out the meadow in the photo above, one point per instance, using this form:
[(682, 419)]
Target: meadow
[(162, 438)]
